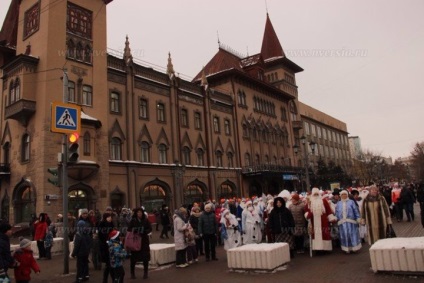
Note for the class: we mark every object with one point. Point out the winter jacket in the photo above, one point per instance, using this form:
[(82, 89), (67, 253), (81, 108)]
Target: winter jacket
[(143, 228), (180, 228), (165, 218), (6, 259), (117, 253), (82, 243), (207, 223), (103, 230), (40, 230), (407, 196), (194, 221), (281, 219), (420, 193), (26, 263)]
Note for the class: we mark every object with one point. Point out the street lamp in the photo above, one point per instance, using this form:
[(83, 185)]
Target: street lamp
[(306, 158)]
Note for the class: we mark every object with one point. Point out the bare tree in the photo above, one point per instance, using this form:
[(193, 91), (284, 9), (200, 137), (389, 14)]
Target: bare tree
[(418, 161)]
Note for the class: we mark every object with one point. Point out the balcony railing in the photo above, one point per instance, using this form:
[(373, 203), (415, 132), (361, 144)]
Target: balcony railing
[(274, 168), (21, 111)]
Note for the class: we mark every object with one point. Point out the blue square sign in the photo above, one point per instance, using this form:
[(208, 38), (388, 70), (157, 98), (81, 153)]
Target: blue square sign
[(66, 118)]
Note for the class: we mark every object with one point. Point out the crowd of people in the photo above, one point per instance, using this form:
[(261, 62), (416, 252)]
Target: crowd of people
[(318, 221)]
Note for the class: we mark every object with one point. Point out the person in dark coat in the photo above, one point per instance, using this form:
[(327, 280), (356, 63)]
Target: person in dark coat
[(281, 223), (420, 199), (194, 222), (140, 224), (104, 228), (6, 259), (82, 247), (207, 230), (165, 220), (408, 198)]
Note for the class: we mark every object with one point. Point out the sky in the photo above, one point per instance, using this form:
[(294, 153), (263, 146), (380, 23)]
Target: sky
[(363, 60)]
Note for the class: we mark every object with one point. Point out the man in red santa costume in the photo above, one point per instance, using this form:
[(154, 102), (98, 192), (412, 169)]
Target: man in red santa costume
[(319, 213)]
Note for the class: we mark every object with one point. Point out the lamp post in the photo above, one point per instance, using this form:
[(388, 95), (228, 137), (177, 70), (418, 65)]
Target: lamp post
[(306, 158)]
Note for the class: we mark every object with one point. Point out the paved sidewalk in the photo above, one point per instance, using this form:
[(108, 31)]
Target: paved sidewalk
[(334, 267)]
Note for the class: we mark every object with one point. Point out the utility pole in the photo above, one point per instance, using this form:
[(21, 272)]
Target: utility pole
[(65, 183)]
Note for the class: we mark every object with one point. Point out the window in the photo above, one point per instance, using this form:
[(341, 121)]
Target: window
[(87, 95), (145, 152), (245, 131), (79, 52), (216, 124), (274, 160), (115, 149), (241, 98), (32, 20), (257, 159), (79, 21), (186, 155), (161, 112), (70, 52), (306, 128), (87, 54), (71, 92), (293, 111), (114, 102), (25, 148), (200, 157), (87, 143), (230, 157), (197, 121), (319, 131), (162, 153), (324, 133), (218, 158), (143, 110), (247, 159), (184, 118), (227, 127), (14, 91), (313, 130)]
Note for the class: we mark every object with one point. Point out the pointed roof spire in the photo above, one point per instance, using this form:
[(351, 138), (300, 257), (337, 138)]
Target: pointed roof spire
[(127, 52), (204, 80), (271, 46), (170, 68)]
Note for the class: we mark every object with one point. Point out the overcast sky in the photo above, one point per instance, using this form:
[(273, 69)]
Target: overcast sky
[(363, 60)]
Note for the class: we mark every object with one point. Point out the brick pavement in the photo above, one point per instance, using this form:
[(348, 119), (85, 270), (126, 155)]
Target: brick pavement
[(334, 267)]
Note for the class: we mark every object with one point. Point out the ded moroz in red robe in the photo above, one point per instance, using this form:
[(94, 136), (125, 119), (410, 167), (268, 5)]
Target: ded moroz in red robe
[(319, 212)]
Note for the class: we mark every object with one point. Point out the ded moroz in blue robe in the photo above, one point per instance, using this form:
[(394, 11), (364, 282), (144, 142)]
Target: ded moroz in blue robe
[(347, 214)]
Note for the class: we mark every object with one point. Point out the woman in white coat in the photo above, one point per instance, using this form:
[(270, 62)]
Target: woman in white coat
[(180, 227), (251, 223)]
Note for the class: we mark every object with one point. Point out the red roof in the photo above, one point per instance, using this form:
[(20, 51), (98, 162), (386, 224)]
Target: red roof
[(271, 46), (223, 60)]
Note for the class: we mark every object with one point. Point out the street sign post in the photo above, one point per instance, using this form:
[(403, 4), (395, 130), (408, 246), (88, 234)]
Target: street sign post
[(66, 118)]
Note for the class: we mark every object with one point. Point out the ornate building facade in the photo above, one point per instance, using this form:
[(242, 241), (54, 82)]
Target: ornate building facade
[(147, 137)]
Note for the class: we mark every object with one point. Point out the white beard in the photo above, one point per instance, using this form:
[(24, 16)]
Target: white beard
[(317, 206)]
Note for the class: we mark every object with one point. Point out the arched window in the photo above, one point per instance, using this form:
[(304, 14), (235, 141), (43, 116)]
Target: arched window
[(11, 92), (247, 159), (162, 153), (115, 149), (87, 95), (70, 52), (71, 92), (218, 158), (87, 143), (186, 155), (230, 157), (25, 148), (145, 152), (87, 54), (293, 111), (79, 52), (114, 102), (17, 89), (6, 153), (200, 157)]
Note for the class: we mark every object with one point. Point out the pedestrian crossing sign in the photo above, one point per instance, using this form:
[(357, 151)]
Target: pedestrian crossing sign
[(66, 118)]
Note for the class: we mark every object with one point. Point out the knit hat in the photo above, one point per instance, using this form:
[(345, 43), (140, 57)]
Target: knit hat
[(24, 243), (84, 210), (4, 227), (295, 197), (109, 208), (209, 206), (344, 192), (59, 216), (113, 234)]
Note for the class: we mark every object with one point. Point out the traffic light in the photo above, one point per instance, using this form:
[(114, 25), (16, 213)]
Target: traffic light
[(73, 148), (56, 176)]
